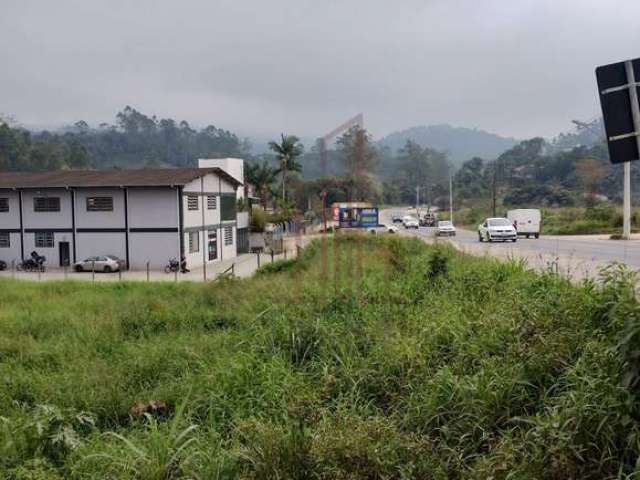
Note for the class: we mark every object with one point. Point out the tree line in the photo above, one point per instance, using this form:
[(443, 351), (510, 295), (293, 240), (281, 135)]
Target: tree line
[(135, 140)]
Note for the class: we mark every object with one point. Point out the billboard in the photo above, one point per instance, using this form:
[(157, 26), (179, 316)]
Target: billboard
[(358, 217)]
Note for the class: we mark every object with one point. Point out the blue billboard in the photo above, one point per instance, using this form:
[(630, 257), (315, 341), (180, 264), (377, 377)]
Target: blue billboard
[(358, 217)]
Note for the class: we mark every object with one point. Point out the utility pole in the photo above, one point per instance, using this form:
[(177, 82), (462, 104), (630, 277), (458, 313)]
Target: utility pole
[(635, 111), (417, 196), (324, 209), (494, 187), (450, 197)]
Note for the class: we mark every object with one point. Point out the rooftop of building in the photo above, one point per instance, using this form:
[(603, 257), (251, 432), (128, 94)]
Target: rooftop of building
[(161, 177)]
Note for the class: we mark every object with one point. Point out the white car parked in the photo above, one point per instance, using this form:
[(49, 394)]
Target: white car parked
[(497, 229), (410, 222), (445, 228), (105, 264)]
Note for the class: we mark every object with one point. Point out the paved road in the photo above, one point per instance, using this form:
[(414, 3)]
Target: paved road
[(582, 254)]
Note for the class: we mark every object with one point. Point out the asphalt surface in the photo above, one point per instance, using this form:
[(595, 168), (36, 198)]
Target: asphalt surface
[(584, 253)]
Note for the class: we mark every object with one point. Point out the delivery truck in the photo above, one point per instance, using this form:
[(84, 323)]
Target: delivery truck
[(526, 221)]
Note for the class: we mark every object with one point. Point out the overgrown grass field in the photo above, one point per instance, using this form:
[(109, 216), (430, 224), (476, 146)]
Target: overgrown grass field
[(377, 358)]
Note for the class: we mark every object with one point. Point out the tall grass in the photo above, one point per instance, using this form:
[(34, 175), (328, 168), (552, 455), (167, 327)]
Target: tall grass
[(392, 360)]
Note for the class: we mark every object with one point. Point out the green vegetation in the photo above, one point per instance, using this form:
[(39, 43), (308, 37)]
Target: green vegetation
[(600, 218), (396, 361), (136, 140)]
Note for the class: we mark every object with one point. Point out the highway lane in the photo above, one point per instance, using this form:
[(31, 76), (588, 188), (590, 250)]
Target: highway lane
[(577, 253)]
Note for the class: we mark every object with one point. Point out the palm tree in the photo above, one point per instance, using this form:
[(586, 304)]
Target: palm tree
[(261, 176), (287, 151)]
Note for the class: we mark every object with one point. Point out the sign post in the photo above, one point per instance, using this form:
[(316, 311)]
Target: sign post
[(635, 113), (618, 89)]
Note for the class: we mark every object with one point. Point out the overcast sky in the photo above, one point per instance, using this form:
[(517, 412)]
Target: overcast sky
[(515, 67)]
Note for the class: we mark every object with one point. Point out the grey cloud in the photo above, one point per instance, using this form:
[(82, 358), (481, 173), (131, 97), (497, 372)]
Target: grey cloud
[(515, 67)]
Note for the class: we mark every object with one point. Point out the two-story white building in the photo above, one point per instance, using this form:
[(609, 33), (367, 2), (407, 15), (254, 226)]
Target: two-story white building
[(138, 215)]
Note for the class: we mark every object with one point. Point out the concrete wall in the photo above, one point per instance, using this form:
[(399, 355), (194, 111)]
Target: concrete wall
[(155, 247), (228, 251), (233, 166), (153, 208), (52, 254), (193, 220), (59, 222), (46, 220), (11, 221), (13, 252), (100, 243), (88, 219)]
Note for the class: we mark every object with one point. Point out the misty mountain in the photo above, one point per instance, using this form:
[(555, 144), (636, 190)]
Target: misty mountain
[(460, 143)]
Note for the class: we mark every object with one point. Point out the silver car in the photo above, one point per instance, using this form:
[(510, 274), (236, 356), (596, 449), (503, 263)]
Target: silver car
[(445, 229), (105, 263)]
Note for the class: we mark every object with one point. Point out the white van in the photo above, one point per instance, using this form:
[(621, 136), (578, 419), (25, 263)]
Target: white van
[(526, 221)]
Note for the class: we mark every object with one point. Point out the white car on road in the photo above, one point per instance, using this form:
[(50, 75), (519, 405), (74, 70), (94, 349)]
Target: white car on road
[(445, 228), (383, 228), (410, 222), (497, 229)]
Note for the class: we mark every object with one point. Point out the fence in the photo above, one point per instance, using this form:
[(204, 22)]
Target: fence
[(242, 266)]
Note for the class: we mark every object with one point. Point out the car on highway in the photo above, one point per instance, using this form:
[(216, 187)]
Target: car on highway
[(445, 228), (409, 221), (497, 228), (396, 218), (383, 228), (99, 263)]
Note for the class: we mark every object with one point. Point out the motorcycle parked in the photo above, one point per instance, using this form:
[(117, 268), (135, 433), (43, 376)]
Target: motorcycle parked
[(172, 267), (33, 264)]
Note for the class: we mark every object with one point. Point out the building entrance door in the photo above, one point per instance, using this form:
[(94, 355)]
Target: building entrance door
[(63, 249), (212, 245)]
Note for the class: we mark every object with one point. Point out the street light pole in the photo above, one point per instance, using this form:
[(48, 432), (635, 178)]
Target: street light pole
[(450, 197)]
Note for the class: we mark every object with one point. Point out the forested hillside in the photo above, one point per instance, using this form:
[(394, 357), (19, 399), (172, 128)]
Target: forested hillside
[(135, 140), (459, 143)]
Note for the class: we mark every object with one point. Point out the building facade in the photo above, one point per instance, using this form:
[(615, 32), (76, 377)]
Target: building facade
[(139, 216)]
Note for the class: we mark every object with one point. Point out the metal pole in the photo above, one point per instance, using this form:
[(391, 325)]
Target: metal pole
[(148, 270), (324, 211), (635, 111), (93, 271), (450, 197), (626, 208)]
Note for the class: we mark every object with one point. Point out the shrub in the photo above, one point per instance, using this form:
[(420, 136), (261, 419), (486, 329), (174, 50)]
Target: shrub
[(277, 267), (437, 264), (258, 219)]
